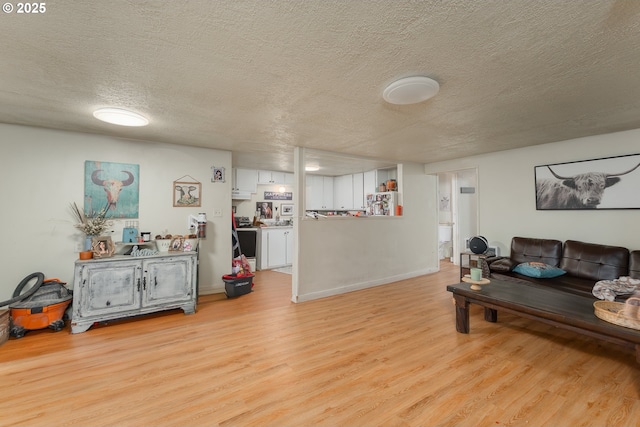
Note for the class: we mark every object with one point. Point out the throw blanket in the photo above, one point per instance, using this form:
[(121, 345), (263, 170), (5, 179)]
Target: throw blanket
[(609, 289)]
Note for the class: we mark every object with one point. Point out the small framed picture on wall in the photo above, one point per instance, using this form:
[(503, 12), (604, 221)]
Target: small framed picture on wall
[(287, 210)]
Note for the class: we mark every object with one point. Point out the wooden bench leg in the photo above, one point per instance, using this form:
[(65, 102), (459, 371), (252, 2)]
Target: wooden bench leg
[(462, 314), (490, 315)]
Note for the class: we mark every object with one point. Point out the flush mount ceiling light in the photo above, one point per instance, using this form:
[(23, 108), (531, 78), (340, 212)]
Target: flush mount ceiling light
[(410, 90), (312, 168), (120, 116)]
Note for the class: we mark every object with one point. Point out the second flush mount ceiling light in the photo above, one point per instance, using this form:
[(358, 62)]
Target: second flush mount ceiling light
[(410, 90)]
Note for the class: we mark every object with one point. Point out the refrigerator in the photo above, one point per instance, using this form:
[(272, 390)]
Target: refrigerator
[(379, 204)]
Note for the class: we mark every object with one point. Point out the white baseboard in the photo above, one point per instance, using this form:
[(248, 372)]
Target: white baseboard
[(362, 285)]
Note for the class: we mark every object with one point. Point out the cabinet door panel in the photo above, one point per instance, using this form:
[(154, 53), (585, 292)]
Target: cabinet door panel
[(246, 180), (276, 248), (109, 288), (343, 192), (370, 185), (289, 247), (314, 192), (277, 177), (327, 192), (265, 177), (166, 281), (358, 191)]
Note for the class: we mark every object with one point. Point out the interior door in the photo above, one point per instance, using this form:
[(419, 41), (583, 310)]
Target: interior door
[(464, 210)]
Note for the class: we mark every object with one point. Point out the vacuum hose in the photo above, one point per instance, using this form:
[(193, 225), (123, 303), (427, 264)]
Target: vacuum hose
[(16, 294)]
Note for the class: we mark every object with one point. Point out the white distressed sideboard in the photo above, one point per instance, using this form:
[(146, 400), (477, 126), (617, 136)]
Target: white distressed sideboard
[(124, 286)]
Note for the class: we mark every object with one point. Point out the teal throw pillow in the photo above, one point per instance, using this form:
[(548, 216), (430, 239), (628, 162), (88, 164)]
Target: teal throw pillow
[(538, 270)]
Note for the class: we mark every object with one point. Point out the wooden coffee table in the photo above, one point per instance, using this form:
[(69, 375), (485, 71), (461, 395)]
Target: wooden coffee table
[(557, 308)]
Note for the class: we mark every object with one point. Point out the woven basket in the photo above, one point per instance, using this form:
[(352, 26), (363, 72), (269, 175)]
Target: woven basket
[(614, 312)]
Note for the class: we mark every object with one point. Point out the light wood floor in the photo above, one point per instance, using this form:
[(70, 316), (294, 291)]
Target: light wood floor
[(386, 356)]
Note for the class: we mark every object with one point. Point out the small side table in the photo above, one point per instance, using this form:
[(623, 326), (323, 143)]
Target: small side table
[(469, 260)]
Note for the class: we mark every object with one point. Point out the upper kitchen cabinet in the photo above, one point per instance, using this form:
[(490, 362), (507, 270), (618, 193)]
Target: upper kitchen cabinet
[(343, 192), (244, 180), (319, 192), (370, 182), (271, 177), (359, 193)]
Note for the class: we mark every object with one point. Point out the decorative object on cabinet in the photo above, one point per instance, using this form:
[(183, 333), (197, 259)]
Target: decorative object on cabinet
[(558, 185), (102, 247), (114, 185), (186, 194), (121, 287), (287, 210), (177, 243), (142, 251), (162, 244), (217, 174), (91, 223)]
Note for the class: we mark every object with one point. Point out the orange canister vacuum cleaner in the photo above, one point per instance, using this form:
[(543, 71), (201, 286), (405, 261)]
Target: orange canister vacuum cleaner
[(43, 305)]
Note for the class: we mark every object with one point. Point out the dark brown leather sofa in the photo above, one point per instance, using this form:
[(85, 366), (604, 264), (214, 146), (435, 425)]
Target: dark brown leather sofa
[(584, 263)]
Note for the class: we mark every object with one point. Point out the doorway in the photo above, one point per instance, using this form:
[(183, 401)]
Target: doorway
[(457, 212)]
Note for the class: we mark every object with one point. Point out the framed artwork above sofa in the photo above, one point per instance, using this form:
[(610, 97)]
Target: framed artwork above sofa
[(606, 183)]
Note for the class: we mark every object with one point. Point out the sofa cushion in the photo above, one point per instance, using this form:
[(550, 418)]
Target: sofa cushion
[(538, 270), (526, 249), (503, 265), (594, 262)]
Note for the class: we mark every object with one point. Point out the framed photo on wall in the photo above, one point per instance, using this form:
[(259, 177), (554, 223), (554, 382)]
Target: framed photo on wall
[(217, 174), (607, 183), (287, 210), (265, 209)]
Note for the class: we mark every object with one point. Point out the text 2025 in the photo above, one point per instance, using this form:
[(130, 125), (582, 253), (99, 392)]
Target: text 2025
[(31, 7)]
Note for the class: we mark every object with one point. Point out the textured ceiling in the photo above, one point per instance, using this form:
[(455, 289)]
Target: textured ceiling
[(261, 77)]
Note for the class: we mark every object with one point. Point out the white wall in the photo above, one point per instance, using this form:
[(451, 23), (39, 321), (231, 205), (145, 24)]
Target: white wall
[(42, 172), (506, 195), (338, 255)]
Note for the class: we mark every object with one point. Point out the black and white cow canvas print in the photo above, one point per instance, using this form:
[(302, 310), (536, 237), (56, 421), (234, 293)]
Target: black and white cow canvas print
[(607, 183)]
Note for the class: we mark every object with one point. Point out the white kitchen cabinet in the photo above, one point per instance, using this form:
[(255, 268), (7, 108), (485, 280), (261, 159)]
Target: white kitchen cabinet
[(125, 286), (359, 200), (343, 192), (271, 177), (370, 182), (319, 192), (244, 180), (275, 247), (327, 192), (349, 192)]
